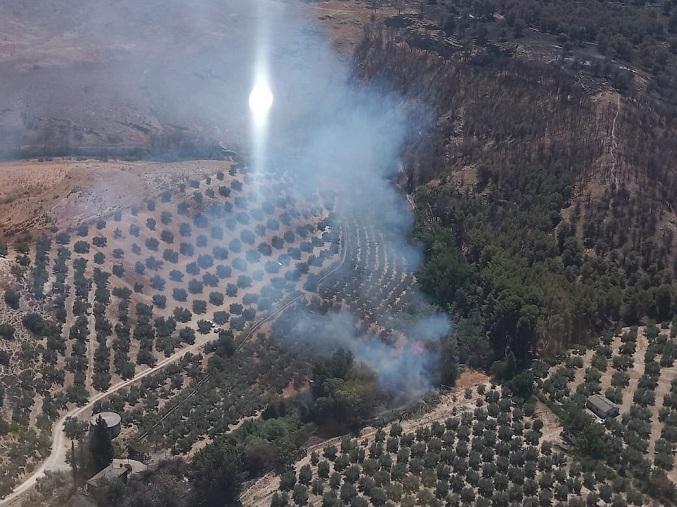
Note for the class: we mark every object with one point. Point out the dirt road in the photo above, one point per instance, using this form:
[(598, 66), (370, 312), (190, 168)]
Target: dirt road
[(57, 458)]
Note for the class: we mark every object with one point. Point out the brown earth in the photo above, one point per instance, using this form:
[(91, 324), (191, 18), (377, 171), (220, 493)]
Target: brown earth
[(469, 378), (345, 20), (35, 196)]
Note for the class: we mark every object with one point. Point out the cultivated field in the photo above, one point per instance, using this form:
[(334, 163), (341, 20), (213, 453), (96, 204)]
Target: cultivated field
[(476, 447), (136, 301), (97, 304), (377, 281), (635, 369), (484, 446), (369, 275)]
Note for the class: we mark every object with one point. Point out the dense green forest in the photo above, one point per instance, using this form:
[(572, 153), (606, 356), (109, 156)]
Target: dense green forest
[(635, 32), (539, 230)]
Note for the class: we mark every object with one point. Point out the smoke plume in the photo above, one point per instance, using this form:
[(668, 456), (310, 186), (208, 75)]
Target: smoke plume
[(159, 73)]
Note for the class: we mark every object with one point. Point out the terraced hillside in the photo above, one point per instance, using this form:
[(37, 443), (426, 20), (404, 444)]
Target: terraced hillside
[(96, 306), (635, 369), (477, 447), (377, 282), (369, 276), (162, 313)]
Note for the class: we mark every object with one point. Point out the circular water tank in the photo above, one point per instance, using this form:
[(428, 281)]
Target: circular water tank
[(112, 420)]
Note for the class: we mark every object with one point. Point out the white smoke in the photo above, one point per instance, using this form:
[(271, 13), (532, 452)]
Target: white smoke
[(187, 65)]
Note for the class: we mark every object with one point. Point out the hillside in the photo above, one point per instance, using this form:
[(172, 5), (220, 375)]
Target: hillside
[(457, 224), (532, 442), (477, 447), (42, 195), (104, 300), (542, 167)]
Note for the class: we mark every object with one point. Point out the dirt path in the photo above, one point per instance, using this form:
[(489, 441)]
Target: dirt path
[(552, 427), (614, 143), (91, 331), (69, 321), (606, 377), (662, 389), (579, 376), (51, 276), (636, 371)]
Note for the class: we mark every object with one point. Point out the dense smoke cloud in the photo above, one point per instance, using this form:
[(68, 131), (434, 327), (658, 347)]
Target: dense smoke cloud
[(333, 132), (130, 73)]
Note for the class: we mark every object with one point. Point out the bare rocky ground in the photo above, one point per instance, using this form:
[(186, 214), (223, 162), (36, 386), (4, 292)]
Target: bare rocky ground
[(129, 76)]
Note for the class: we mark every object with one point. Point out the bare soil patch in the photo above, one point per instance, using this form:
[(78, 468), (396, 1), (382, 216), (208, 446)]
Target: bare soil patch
[(345, 21), (470, 378), (36, 195)]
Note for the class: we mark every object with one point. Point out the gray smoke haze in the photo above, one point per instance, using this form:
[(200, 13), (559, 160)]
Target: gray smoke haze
[(404, 371), (129, 72), (332, 132)]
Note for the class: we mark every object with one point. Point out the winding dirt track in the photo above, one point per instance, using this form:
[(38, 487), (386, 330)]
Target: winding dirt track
[(614, 143), (57, 457)]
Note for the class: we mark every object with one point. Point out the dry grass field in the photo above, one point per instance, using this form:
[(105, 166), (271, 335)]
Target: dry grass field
[(345, 21), (60, 193)]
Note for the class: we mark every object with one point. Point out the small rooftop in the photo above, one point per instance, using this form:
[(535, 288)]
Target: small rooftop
[(601, 406), (111, 418), (118, 469), (601, 402)]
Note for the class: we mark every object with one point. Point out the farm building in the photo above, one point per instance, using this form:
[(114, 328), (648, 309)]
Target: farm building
[(119, 469), (112, 419), (601, 406)]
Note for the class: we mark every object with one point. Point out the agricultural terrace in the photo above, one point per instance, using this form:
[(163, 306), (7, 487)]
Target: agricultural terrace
[(377, 282), (634, 368), (185, 406), (236, 380), (478, 446), (88, 307)]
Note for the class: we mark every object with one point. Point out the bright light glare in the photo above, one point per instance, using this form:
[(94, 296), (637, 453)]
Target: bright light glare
[(260, 100)]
